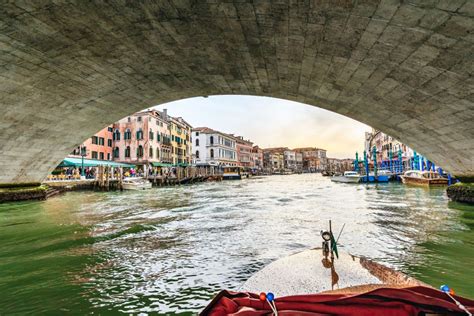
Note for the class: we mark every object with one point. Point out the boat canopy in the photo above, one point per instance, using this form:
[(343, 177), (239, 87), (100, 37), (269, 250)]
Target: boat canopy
[(77, 162), (381, 301)]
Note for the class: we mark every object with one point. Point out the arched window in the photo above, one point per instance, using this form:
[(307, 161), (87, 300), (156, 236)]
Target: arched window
[(140, 151), (140, 134), (197, 141), (157, 153), (116, 152), (127, 134), (211, 140), (197, 153), (151, 152), (116, 135), (151, 134), (127, 152), (212, 152)]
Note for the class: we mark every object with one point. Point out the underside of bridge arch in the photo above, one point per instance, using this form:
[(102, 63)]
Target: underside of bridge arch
[(68, 68)]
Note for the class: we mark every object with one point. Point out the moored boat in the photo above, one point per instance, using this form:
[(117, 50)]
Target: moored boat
[(136, 184), (348, 177), (232, 173), (426, 178)]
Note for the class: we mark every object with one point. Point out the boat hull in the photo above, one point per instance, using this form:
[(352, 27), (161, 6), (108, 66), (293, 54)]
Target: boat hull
[(231, 176), (137, 186), (344, 179), (424, 182)]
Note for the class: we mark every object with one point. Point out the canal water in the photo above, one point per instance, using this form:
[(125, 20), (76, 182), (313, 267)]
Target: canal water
[(169, 250)]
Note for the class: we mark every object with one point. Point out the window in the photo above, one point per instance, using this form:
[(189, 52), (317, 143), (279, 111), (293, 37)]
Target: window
[(108, 156), (212, 152), (172, 137), (109, 142), (151, 134), (158, 138), (139, 119), (197, 133), (140, 151), (94, 140), (151, 152), (101, 141), (212, 140), (157, 153), (127, 134), (127, 152), (140, 134), (116, 152), (116, 135), (197, 141), (101, 155), (197, 153), (109, 129), (94, 155)]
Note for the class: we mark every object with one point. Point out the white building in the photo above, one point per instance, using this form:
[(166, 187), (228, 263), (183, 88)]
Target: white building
[(213, 147), (290, 159)]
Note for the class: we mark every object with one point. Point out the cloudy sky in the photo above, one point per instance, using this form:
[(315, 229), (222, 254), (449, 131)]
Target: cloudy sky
[(270, 122)]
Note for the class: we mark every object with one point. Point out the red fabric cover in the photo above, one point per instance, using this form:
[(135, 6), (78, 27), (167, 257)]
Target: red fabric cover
[(383, 301)]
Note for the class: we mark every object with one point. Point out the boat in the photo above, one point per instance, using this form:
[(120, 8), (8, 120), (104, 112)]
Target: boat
[(426, 178), (136, 184), (348, 177), (382, 176), (325, 281), (232, 173)]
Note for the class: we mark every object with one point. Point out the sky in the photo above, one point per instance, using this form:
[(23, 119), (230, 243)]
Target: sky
[(270, 122)]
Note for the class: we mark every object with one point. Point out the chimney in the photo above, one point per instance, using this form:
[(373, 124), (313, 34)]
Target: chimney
[(165, 114)]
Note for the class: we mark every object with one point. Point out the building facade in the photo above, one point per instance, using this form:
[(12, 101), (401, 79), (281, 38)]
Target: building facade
[(257, 158), (314, 159), (244, 152), (289, 159), (274, 159), (213, 147), (99, 146), (386, 147), (180, 131)]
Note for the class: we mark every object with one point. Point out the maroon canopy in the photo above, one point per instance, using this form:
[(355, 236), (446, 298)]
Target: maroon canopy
[(383, 301)]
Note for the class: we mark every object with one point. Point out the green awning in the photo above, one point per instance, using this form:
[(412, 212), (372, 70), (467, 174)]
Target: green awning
[(182, 164), (77, 162), (161, 164)]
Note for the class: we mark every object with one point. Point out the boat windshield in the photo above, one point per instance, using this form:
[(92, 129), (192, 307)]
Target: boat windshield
[(350, 173)]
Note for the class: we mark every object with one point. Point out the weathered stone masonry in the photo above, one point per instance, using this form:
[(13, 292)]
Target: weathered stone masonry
[(68, 68)]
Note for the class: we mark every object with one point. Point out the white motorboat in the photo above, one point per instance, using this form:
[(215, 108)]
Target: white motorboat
[(348, 177), (136, 184)]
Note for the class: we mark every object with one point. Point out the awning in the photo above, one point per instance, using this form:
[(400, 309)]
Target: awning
[(161, 164), (77, 162), (182, 164)]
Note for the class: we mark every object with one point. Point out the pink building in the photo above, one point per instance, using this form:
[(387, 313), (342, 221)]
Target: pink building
[(257, 157), (244, 151), (98, 146), (142, 139)]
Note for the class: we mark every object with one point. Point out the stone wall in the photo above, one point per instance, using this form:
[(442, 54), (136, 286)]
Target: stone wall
[(67, 69)]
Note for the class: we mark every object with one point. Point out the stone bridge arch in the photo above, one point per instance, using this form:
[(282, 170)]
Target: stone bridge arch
[(69, 68)]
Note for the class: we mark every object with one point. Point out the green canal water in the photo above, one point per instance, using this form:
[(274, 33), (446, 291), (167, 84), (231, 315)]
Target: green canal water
[(169, 250)]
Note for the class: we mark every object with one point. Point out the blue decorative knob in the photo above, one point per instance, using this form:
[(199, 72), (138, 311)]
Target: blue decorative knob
[(444, 288), (270, 296)]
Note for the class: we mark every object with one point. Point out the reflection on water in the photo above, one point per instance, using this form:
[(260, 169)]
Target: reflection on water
[(170, 250)]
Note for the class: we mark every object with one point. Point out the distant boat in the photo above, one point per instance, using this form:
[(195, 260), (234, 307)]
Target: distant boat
[(136, 184), (427, 178), (348, 177)]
